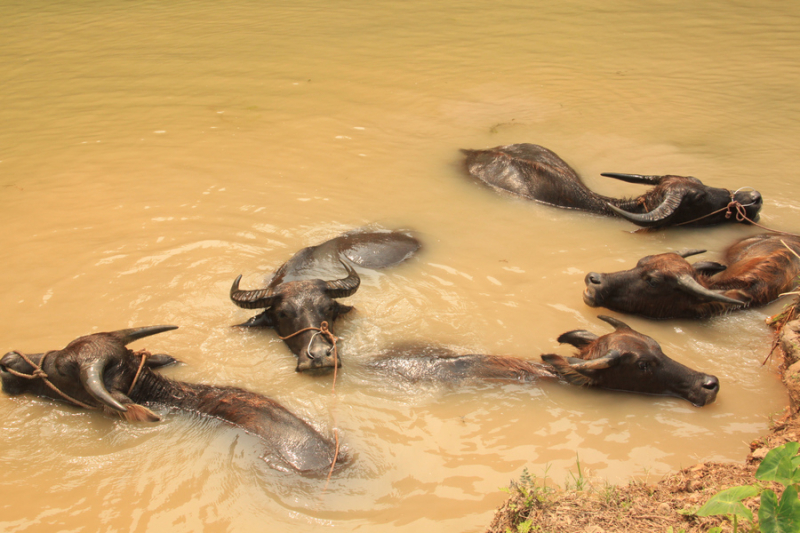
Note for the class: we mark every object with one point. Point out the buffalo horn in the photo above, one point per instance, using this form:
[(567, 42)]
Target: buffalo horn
[(634, 178), (618, 324), (579, 371), (691, 285), (671, 202), (127, 336), (342, 288), (564, 367), (686, 253), (258, 299), (608, 360), (92, 379)]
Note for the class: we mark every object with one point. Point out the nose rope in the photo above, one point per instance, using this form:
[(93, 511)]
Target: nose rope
[(328, 334), (38, 373), (740, 189), (738, 208)]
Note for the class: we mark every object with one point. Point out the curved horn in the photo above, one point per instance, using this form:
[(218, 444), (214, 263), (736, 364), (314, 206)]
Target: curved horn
[(691, 285), (618, 324), (342, 288), (258, 299), (92, 379), (686, 253), (634, 178), (127, 336), (671, 202), (579, 371), (607, 360)]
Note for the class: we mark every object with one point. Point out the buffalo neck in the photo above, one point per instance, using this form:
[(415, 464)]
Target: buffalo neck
[(576, 195)]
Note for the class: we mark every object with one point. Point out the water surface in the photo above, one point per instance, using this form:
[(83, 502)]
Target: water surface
[(150, 153)]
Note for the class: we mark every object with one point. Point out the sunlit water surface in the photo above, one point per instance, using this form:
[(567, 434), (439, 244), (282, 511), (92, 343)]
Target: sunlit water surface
[(150, 152)]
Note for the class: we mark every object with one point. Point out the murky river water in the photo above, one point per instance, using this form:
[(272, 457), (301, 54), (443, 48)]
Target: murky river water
[(150, 152)]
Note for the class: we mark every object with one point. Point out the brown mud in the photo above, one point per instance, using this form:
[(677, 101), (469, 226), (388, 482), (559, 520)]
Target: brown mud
[(670, 503)]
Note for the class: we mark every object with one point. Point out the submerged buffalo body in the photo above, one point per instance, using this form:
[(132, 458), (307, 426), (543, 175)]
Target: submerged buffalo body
[(623, 360), (417, 363), (302, 307), (101, 373), (533, 172), (757, 270)]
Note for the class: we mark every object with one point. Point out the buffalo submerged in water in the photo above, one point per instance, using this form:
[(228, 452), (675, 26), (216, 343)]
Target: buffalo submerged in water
[(533, 172), (302, 307), (756, 271), (623, 360), (99, 372)]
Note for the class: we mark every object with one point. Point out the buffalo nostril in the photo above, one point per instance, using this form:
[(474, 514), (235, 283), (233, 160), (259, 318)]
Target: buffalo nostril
[(711, 383), (593, 278)]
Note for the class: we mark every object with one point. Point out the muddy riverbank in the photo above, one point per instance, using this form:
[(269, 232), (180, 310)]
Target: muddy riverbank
[(593, 507)]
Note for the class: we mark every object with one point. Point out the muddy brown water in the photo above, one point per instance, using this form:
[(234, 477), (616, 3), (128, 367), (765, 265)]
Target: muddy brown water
[(151, 152)]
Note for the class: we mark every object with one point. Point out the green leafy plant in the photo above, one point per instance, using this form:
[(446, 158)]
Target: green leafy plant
[(781, 465)]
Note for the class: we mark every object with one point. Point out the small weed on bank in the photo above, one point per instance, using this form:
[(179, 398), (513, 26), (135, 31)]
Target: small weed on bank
[(531, 494)]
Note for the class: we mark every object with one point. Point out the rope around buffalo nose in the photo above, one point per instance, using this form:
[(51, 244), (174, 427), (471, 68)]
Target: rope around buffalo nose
[(328, 334), (736, 208)]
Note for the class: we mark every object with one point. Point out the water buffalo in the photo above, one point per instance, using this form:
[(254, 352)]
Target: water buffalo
[(302, 308), (533, 172), (757, 270), (626, 360), (623, 360), (98, 372)]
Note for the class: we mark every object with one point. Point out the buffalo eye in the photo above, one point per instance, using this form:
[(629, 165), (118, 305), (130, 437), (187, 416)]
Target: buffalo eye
[(643, 366), (698, 195), (653, 281)]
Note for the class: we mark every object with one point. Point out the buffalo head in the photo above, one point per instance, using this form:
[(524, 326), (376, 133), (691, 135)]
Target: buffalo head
[(677, 200), (297, 311), (85, 371), (626, 360), (662, 286)]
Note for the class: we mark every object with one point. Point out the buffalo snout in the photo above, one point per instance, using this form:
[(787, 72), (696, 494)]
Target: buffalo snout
[(318, 355), (751, 201), (706, 391), (594, 282)]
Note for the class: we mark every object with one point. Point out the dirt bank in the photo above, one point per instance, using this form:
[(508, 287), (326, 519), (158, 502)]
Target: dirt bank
[(640, 507)]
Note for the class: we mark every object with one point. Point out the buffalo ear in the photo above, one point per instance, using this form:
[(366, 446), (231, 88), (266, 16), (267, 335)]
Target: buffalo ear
[(160, 360), (577, 337), (708, 267), (738, 294), (563, 368), (134, 412), (139, 413), (261, 320), (343, 309)]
